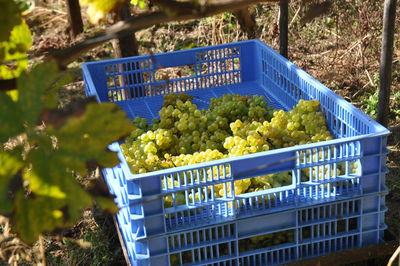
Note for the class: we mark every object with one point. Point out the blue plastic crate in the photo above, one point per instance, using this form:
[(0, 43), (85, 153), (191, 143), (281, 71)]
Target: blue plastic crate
[(138, 84), (294, 235)]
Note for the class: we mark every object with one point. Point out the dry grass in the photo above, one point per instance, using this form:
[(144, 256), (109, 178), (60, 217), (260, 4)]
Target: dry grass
[(13, 251), (341, 49)]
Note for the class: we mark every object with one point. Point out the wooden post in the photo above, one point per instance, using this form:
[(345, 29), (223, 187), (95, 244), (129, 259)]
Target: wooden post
[(283, 27), (75, 17), (126, 45), (247, 21), (389, 17)]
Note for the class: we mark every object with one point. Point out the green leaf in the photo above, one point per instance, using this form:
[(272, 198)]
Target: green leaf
[(50, 177), (13, 52), (34, 215), (56, 198), (10, 164), (10, 117), (83, 140), (25, 6), (107, 204), (38, 90), (97, 9), (9, 17)]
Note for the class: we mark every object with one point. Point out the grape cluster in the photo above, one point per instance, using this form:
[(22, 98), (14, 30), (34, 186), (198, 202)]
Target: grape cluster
[(185, 129), (170, 99), (235, 106), (233, 125), (264, 241), (303, 124)]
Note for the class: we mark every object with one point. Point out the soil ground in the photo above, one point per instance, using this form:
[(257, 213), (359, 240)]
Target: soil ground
[(341, 49)]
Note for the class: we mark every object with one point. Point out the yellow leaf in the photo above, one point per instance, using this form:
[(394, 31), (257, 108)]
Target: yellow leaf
[(97, 9)]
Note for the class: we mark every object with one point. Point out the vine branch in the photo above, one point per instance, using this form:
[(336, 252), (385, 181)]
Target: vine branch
[(181, 11), (69, 54)]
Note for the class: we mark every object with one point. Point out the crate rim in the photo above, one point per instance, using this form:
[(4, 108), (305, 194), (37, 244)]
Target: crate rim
[(147, 56), (116, 147), (380, 130)]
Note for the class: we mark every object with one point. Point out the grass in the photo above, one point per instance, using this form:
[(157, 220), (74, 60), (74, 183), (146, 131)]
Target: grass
[(344, 55)]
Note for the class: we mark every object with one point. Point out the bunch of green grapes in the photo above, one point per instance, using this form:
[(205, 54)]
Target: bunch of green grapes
[(172, 98), (271, 181), (247, 138), (306, 117), (186, 122), (303, 124), (235, 106), (264, 241), (187, 129), (234, 125), (142, 152), (240, 187)]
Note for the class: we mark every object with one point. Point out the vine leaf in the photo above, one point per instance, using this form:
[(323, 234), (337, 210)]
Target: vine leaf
[(11, 17), (34, 215), (107, 204), (38, 90), (13, 52), (51, 197), (10, 117), (10, 164), (55, 195), (82, 139), (97, 9), (50, 177)]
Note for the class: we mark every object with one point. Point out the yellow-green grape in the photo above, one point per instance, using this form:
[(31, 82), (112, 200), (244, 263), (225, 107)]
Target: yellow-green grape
[(179, 199), (320, 173), (172, 98), (169, 183), (240, 187), (174, 259), (353, 167), (196, 197), (271, 181)]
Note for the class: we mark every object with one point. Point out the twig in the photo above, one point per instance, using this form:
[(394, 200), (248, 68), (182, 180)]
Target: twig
[(321, 54), (53, 19), (294, 16), (361, 55), (42, 251), (355, 45), (393, 257), (369, 77), (44, 10), (333, 33)]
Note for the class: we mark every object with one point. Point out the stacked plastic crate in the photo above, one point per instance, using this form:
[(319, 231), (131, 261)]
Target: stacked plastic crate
[(337, 197)]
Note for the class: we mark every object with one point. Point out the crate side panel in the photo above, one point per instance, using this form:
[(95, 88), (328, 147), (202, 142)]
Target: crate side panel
[(303, 233)]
